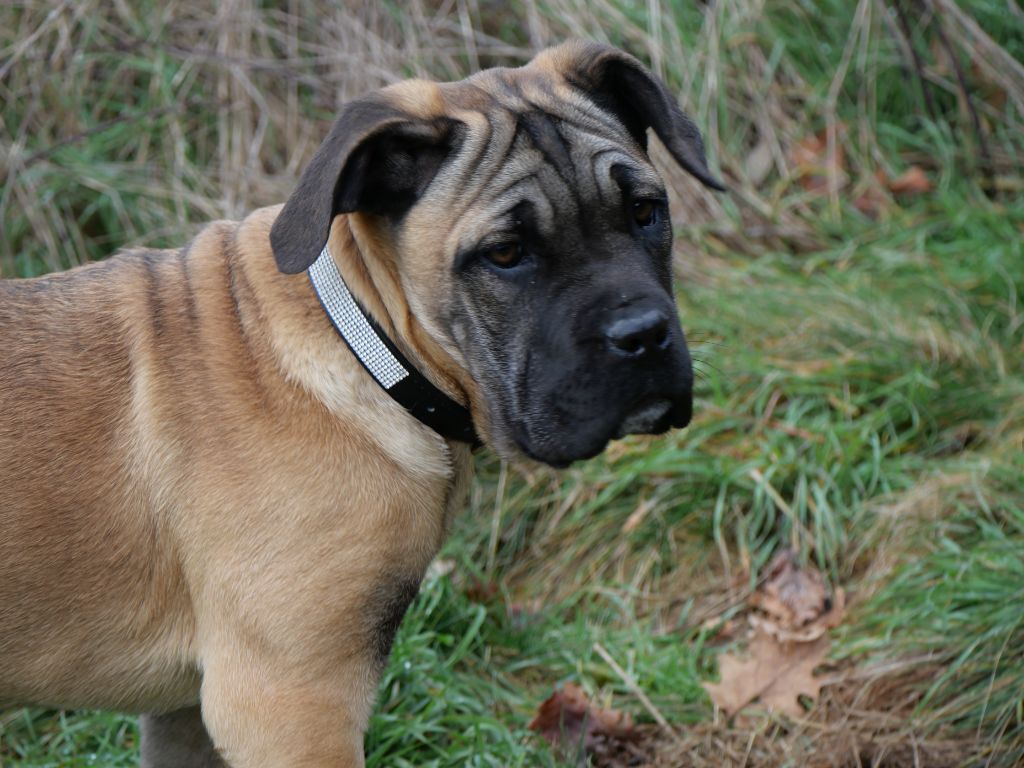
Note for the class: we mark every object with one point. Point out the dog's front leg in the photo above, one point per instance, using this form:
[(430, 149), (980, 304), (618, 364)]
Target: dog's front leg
[(177, 740), (265, 713)]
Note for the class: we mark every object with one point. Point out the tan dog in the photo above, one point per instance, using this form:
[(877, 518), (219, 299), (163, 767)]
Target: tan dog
[(207, 501)]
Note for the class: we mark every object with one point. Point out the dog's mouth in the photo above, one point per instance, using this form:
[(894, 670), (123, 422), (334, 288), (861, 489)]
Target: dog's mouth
[(652, 416), (649, 418)]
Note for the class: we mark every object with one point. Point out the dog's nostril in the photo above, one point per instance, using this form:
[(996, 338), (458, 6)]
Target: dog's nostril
[(662, 341), (639, 333), (631, 346)]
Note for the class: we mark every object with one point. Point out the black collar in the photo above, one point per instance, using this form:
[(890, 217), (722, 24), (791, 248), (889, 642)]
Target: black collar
[(383, 360)]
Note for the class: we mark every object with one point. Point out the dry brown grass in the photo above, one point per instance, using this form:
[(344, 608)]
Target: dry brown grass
[(231, 100)]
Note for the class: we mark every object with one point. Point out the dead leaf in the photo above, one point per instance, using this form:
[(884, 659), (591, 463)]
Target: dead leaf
[(912, 181), (791, 614), (791, 596), (810, 631), (871, 202), (483, 592), (570, 722), (776, 673), (813, 164)]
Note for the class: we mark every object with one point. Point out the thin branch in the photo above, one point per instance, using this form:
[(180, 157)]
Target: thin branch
[(986, 156), (916, 58)]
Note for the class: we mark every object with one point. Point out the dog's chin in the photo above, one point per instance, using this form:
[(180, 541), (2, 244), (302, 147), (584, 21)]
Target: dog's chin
[(650, 417)]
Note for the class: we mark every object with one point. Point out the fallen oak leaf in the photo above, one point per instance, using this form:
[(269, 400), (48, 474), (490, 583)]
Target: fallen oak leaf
[(792, 603), (776, 673), (792, 612), (791, 596), (833, 617), (568, 721)]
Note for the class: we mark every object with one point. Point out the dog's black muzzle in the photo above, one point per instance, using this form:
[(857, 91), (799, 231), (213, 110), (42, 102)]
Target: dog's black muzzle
[(646, 335), (631, 374)]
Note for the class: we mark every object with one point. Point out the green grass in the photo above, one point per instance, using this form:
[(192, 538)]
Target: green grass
[(860, 390), (969, 585)]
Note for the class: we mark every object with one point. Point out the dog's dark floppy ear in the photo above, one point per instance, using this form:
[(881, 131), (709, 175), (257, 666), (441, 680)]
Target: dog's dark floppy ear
[(376, 159), (621, 84)]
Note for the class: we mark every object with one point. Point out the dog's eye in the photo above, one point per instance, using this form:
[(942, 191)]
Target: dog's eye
[(645, 212), (505, 256)]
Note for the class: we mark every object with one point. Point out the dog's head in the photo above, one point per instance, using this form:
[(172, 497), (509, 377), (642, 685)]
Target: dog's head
[(533, 239)]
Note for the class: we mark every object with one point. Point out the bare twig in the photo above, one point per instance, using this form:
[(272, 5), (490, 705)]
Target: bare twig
[(859, 27), (901, 15), (634, 688), (986, 156)]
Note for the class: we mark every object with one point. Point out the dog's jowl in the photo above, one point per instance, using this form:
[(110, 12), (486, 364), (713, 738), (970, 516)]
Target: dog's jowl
[(224, 469)]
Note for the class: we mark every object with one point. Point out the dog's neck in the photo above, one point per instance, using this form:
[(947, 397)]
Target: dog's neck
[(353, 298)]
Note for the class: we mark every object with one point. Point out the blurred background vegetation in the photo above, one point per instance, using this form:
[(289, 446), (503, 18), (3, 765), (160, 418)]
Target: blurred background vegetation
[(854, 304)]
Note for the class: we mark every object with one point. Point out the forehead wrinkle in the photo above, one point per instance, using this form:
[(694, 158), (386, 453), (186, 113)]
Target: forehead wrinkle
[(565, 108), (475, 225), (537, 139), (571, 150), (562, 100), (573, 107), (562, 190), (601, 170), (543, 133), (456, 176), (484, 100), (606, 151), (642, 171), (588, 132), (475, 173), (524, 90), (523, 172), (598, 141)]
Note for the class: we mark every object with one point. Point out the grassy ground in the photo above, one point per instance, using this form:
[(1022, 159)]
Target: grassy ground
[(861, 375)]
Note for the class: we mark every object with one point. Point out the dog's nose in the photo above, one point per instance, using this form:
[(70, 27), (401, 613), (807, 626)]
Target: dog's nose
[(639, 333)]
